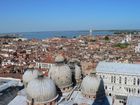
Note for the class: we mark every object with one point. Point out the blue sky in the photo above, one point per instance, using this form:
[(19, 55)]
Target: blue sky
[(45, 15)]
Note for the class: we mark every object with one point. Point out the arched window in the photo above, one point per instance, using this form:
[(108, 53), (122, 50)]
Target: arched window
[(114, 79), (120, 80), (138, 81), (112, 88), (111, 79), (134, 81), (125, 80), (129, 90), (105, 87)]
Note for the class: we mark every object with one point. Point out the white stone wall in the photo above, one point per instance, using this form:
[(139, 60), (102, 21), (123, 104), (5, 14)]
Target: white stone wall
[(137, 48), (114, 86), (43, 65)]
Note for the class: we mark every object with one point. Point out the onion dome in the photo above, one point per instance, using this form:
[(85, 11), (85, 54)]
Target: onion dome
[(92, 87), (78, 72), (61, 75), (41, 90), (59, 58), (29, 75)]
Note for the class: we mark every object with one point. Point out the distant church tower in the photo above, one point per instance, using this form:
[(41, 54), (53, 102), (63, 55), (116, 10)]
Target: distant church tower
[(137, 48), (128, 38), (90, 32)]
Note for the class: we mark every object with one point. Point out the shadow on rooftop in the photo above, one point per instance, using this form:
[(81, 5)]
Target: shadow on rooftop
[(101, 98)]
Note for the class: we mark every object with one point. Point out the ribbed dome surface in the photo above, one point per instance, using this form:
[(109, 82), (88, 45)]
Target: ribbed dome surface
[(77, 72), (42, 90), (29, 75), (90, 85), (61, 75)]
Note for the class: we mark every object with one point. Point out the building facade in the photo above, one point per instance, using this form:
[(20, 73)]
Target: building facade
[(43, 65), (120, 80), (137, 48)]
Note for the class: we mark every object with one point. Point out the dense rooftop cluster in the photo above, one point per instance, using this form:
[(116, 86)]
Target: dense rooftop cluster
[(17, 53)]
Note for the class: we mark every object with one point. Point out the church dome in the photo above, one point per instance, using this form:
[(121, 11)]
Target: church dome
[(78, 72), (29, 75), (61, 75), (42, 90), (92, 86)]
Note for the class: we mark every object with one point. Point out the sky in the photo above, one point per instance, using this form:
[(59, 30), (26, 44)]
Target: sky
[(55, 15)]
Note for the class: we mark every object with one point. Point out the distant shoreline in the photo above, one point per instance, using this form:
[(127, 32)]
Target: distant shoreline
[(65, 34), (137, 30)]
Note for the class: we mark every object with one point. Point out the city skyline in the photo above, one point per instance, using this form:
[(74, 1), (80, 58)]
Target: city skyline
[(53, 15)]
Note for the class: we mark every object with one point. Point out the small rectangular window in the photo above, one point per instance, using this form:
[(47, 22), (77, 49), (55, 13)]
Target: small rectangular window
[(111, 79), (112, 88), (138, 81), (114, 79), (125, 80), (134, 82)]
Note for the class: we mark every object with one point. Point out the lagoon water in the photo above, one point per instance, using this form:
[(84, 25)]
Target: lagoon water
[(68, 34)]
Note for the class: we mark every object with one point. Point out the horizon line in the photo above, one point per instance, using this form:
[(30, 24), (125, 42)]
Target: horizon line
[(71, 30)]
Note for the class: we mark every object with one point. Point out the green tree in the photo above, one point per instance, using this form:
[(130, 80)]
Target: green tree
[(107, 38)]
